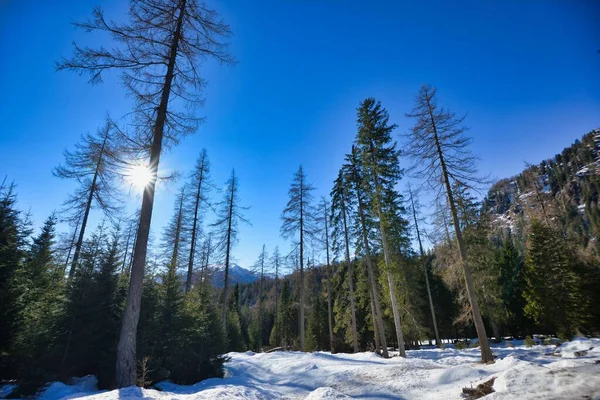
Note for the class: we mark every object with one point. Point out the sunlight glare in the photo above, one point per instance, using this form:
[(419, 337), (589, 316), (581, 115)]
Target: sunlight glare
[(140, 176)]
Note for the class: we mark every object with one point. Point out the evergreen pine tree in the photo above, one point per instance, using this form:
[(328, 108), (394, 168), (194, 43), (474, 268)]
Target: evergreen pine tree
[(317, 338), (379, 155), (13, 234), (229, 215), (341, 206), (364, 226), (299, 218), (552, 286)]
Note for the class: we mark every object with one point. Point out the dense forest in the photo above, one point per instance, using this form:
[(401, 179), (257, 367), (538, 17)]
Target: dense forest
[(371, 270)]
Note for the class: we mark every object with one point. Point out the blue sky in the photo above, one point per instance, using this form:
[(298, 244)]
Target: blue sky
[(527, 74)]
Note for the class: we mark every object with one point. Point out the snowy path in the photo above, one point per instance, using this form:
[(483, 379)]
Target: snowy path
[(521, 373)]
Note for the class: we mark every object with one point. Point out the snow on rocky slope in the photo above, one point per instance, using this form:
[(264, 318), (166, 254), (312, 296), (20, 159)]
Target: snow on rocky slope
[(571, 371)]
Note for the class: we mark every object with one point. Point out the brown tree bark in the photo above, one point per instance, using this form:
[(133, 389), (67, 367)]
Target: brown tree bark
[(350, 277), (125, 374), (422, 253), (88, 207), (486, 351)]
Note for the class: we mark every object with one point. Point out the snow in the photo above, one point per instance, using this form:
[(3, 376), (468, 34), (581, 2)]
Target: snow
[(571, 370), (79, 387)]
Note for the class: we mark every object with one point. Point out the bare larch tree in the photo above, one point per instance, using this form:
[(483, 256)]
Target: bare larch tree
[(91, 165), (413, 208), (325, 208), (158, 51), (442, 157), (198, 188), (229, 215)]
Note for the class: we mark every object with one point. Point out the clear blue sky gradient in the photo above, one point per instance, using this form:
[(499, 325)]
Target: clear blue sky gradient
[(526, 72)]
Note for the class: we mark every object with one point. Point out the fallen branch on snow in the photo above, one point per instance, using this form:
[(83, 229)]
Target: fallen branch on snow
[(483, 389)]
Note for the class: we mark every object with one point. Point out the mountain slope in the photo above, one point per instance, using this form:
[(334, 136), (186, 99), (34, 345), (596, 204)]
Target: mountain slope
[(563, 190)]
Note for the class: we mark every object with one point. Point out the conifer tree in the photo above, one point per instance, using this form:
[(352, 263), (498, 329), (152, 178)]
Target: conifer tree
[(440, 150), (379, 154), (413, 209), (199, 187), (13, 240), (552, 286), (79, 326), (229, 215), (317, 329), (289, 316), (260, 267), (340, 214), (354, 171), (159, 52), (325, 208), (92, 166), (299, 218), (276, 265)]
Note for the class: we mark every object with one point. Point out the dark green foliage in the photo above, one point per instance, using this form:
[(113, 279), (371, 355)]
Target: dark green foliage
[(13, 233), (317, 333), (553, 287), (288, 318)]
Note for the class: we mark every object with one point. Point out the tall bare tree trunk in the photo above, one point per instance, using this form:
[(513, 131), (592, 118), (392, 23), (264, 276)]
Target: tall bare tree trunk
[(197, 198), (301, 288), (175, 254), (88, 207), (125, 374), (260, 299), (71, 245), (486, 351), (350, 278), (227, 256), (329, 274), (125, 252), (277, 301), (435, 327)]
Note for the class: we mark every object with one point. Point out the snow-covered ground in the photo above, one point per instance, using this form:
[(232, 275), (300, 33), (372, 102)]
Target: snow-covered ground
[(539, 372)]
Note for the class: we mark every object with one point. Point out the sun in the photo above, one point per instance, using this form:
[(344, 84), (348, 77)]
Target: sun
[(139, 176)]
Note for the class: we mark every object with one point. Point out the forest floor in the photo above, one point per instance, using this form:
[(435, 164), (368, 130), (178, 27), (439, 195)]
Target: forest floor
[(570, 371)]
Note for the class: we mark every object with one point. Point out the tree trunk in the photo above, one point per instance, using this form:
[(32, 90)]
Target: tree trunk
[(373, 284), (435, 327), (301, 288), (328, 269), (125, 252), (370, 270), (86, 213), (260, 298), (227, 251), (277, 300), (71, 245), (175, 254), (374, 321), (125, 374), (396, 312), (350, 278), (486, 351), (188, 283), (387, 257)]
